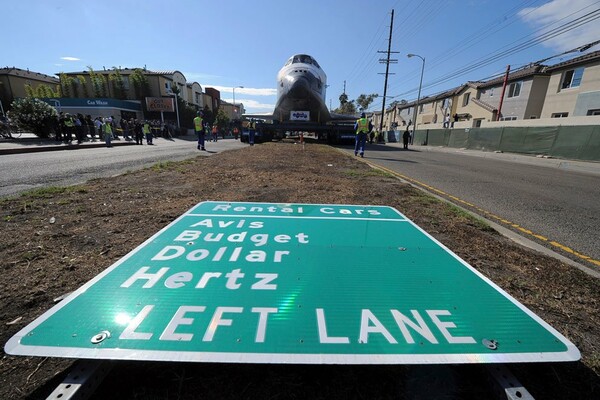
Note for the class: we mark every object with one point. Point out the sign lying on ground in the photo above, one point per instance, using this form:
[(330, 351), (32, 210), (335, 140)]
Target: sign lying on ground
[(292, 283)]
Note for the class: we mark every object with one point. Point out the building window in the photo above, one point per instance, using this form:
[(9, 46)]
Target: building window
[(572, 78), (514, 90), (510, 118), (492, 92), (594, 112), (466, 99), (168, 86), (421, 108), (560, 115), (126, 82)]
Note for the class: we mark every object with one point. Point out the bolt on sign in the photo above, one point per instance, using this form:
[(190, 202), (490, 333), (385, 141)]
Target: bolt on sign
[(293, 283)]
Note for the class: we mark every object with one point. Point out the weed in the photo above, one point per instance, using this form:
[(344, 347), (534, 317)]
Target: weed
[(51, 191), (368, 173), (478, 223)]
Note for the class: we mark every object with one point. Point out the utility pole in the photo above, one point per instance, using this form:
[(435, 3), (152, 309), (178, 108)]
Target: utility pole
[(387, 61), (344, 87), (499, 115)]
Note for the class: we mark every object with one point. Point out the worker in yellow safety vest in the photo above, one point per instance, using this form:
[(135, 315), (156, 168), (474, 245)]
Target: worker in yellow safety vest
[(107, 131), (199, 129), (147, 131), (362, 128)]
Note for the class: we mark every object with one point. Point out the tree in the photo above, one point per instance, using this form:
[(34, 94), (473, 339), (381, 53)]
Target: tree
[(222, 118), (83, 83), (364, 101), (44, 91), (67, 85), (29, 92), (98, 83), (346, 106), (34, 114), (207, 115), (118, 84), (141, 87)]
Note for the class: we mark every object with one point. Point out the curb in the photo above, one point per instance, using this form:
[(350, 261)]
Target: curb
[(37, 149)]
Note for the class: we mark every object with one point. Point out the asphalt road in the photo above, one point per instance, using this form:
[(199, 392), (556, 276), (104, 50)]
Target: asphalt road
[(554, 199), (22, 172)]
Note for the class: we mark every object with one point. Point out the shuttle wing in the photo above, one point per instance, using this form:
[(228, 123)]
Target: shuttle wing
[(343, 117), (269, 116)]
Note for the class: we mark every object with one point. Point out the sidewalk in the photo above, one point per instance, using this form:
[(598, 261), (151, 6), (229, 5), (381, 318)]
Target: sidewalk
[(29, 143)]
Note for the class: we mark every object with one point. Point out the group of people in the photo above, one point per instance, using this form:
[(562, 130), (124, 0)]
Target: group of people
[(363, 128), (69, 126), (202, 127)]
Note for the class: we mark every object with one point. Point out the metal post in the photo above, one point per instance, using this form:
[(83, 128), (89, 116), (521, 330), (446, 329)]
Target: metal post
[(2, 108), (177, 111), (499, 115), (419, 95), (241, 87)]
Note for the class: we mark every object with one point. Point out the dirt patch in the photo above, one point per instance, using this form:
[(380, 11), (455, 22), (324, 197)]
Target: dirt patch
[(53, 241)]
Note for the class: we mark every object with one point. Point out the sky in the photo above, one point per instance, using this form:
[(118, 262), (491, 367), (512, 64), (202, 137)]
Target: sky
[(234, 43)]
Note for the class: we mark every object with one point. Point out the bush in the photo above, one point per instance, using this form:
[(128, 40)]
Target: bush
[(34, 114)]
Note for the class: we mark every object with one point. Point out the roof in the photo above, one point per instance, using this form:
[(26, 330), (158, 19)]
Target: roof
[(26, 73), (586, 58), (531, 70)]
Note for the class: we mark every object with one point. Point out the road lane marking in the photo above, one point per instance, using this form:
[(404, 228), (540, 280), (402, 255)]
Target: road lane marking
[(488, 214)]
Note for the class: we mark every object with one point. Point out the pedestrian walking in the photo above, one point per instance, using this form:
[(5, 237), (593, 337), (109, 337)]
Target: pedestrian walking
[(215, 133), (251, 132), (405, 138), (447, 121), (148, 132), (107, 130), (362, 127)]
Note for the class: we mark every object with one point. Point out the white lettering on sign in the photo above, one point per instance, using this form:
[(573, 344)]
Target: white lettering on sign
[(180, 318), (174, 252), (370, 324), (344, 211), (262, 280), (226, 224), (258, 239), (259, 209)]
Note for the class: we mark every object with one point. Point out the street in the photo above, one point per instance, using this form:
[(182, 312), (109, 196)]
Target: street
[(554, 199), (22, 172)]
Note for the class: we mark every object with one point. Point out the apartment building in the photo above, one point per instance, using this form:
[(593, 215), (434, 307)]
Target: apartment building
[(573, 88), (13, 83)]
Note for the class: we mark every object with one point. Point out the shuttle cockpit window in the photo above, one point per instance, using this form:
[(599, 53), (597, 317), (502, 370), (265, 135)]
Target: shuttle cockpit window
[(289, 61), (303, 59)]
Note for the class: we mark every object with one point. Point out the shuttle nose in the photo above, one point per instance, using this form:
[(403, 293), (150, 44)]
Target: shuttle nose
[(299, 83)]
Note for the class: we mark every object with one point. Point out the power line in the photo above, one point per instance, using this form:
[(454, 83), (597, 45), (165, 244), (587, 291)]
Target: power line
[(492, 57)]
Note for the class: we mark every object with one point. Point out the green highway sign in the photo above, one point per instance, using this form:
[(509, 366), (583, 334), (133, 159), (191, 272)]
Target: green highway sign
[(293, 283)]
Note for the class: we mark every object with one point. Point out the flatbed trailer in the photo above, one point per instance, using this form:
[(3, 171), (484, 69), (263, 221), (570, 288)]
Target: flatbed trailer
[(331, 132)]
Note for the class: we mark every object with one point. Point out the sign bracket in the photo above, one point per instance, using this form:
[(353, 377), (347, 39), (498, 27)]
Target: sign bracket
[(81, 381), (506, 386)]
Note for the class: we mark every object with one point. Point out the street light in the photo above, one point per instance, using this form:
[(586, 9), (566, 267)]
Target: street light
[(419, 95), (176, 107), (235, 87)]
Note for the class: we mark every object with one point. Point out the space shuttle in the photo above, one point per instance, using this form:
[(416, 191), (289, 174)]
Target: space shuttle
[(301, 89)]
